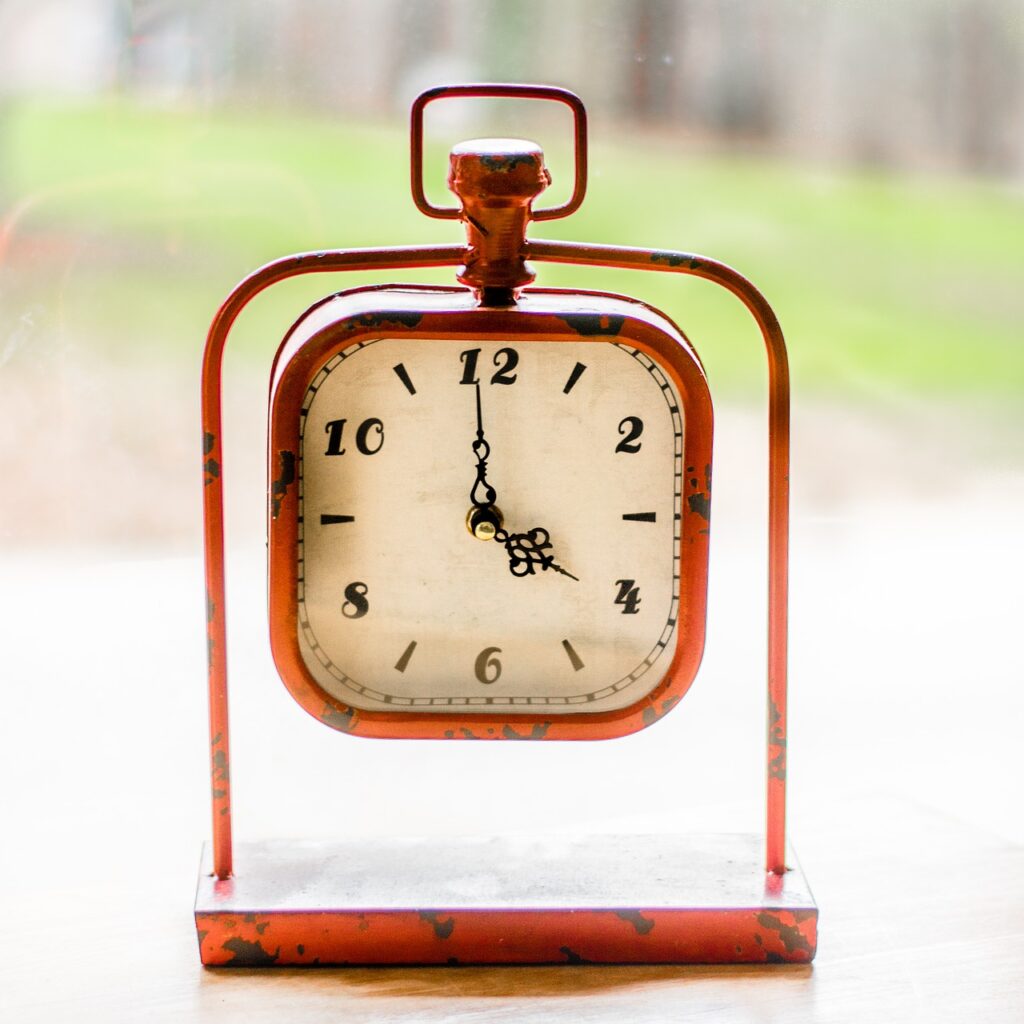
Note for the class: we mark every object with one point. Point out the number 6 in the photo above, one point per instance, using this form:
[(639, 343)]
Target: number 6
[(487, 667)]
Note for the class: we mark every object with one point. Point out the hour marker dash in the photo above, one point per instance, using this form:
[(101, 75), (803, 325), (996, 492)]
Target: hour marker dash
[(641, 517), (574, 658), (403, 661), (403, 376), (329, 520), (577, 372)]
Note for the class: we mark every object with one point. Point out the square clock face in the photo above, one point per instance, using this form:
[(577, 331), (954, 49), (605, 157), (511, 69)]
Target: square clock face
[(489, 527)]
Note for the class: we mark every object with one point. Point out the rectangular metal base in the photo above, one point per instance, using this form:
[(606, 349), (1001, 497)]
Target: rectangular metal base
[(592, 899)]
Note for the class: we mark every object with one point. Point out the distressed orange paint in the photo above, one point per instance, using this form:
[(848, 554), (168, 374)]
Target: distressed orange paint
[(496, 191)]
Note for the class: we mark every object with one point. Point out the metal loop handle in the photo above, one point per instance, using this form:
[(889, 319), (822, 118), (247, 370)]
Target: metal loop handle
[(525, 92)]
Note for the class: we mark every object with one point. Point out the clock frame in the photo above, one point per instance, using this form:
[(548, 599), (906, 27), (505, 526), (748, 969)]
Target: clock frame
[(544, 317), (659, 899)]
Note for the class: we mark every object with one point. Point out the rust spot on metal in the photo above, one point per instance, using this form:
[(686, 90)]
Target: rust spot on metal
[(442, 929), (701, 504), (675, 259), (776, 764), (651, 714), (343, 720), (250, 954), (642, 924), (468, 734), (218, 793), (572, 957), (220, 766), (212, 470), (388, 318), (285, 479), (538, 732), (591, 324), (262, 927), (792, 938), (504, 162), (208, 442)]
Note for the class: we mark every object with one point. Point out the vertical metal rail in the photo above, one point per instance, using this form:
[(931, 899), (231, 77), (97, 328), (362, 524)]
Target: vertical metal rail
[(778, 485), (213, 485)]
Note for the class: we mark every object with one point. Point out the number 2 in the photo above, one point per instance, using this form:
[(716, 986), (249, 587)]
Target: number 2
[(631, 428)]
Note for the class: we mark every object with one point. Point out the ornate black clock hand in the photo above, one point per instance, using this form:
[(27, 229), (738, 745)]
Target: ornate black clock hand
[(482, 495), (526, 551), (484, 517)]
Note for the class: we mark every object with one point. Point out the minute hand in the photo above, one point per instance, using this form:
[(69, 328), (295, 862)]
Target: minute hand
[(483, 494)]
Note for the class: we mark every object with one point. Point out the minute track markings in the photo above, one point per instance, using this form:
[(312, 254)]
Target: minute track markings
[(468, 702)]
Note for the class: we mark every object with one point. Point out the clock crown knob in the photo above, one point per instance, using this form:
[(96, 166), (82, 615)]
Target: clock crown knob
[(496, 181)]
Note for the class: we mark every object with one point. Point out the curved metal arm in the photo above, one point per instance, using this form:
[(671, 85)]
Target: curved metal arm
[(778, 484), (213, 489)]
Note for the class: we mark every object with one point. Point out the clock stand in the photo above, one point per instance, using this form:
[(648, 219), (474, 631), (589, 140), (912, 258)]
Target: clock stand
[(635, 899)]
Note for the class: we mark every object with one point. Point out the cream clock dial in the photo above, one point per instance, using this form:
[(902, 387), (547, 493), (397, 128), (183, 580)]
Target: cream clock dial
[(566, 603)]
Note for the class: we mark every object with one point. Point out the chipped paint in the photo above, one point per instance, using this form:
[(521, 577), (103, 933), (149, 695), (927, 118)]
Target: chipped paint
[(700, 503), (387, 318), (572, 957), (777, 763), (286, 478), (642, 924), (676, 259), (345, 720), (505, 162), (209, 440), (211, 467), (592, 324), (651, 714), (250, 954), (792, 938), (442, 929), (538, 732)]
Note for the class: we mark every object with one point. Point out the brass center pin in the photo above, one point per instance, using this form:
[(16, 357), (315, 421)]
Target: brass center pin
[(484, 523)]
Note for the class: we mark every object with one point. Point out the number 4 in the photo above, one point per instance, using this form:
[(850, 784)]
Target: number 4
[(629, 596)]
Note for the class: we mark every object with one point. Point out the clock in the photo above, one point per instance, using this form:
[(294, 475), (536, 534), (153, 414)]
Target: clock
[(488, 513), (488, 522)]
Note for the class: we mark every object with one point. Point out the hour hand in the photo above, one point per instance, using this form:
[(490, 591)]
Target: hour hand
[(528, 551)]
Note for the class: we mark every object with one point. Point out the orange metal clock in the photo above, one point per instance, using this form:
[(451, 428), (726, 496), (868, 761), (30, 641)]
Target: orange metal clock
[(488, 518)]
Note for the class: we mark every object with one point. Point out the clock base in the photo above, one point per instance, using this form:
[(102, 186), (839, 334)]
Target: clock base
[(507, 900)]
